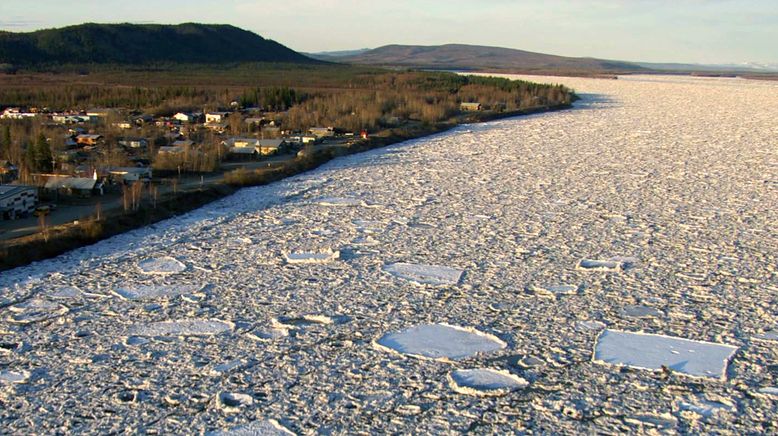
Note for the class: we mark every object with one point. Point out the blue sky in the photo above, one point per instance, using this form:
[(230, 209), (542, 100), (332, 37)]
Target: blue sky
[(703, 31)]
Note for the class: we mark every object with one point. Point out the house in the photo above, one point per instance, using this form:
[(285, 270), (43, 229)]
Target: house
[(301, 140), (134, 142), (123, 125), (130, 174), (243, 153), (470, 107), (140, 120), (76, 186), (101, 113), (241, 142), (87, 139), (8, 172), (183, 143), (14, 113), (216, 117), (322, 132), (17, 201), (187, 117), (270, 146), (173, 149), (70, 118)]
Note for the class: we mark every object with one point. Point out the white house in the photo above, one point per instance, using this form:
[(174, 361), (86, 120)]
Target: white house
[(187, 117)]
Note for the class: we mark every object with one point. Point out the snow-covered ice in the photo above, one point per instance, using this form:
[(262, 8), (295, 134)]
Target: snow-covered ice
[(440, 341), (269, 427), (673, 178), (654, 352), (485, 381), (425, 274)]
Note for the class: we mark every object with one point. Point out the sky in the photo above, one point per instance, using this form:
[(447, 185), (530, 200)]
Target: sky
[(689, 31)]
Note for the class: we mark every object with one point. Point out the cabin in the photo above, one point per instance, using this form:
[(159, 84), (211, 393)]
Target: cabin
[(17, 201), (86, 139), (470, 107)]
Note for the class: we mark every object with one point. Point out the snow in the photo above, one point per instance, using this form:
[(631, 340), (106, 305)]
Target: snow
[(425, 274), (675, 178), (654, 352), (440, 342), (485, 382), (599, 265)]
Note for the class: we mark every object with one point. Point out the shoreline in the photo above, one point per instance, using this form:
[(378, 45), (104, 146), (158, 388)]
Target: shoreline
[(61, 239)]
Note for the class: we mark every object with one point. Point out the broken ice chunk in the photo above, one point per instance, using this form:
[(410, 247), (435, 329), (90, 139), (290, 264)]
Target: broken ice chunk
[(184, 327), (485, 382), (7, 376), (145, 292), (655, 352), (35, 310), (425, 274), (310, 257), (269, 427), (638, 311), (161, 265), (440, 342), (556, 291), (599, 265)]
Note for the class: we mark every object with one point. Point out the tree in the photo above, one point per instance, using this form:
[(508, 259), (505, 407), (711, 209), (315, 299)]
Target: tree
[(5, 143), (42, 154)]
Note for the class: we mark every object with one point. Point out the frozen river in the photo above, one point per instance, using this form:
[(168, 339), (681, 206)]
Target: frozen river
[(492, 278)]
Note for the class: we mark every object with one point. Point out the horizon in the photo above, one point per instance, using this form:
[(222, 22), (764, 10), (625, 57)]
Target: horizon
[(718, 32)]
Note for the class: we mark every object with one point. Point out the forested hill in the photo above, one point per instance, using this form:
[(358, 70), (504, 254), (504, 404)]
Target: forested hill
[(142, 44), (472, 57)]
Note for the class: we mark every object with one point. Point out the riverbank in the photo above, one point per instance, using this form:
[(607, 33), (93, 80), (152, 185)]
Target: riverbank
[(57, 240)]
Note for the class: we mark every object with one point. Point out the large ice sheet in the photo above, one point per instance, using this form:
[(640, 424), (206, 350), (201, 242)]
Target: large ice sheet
[(425, 274), (485, 382), (440, 342), (648, 351)]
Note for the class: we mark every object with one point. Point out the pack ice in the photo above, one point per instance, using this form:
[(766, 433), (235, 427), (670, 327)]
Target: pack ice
[(425, 274)]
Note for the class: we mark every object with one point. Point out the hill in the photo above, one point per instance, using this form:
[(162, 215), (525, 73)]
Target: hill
[(142, 44), (472, 57)]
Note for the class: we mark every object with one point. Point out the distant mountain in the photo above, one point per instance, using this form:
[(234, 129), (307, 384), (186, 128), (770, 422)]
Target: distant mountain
[(141, 44), (472, 57), (336, 55), (750, 67)]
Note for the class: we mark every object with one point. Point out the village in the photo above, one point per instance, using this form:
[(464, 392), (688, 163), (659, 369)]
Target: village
[(91, 159)]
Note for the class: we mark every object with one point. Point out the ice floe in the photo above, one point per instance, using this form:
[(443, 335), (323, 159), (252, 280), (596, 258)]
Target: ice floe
[(440, 342), (655, 352), (339, 201), (485, 382), (161, 265), (639, 311), (556, 290), (184, 327), (425, 274)]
